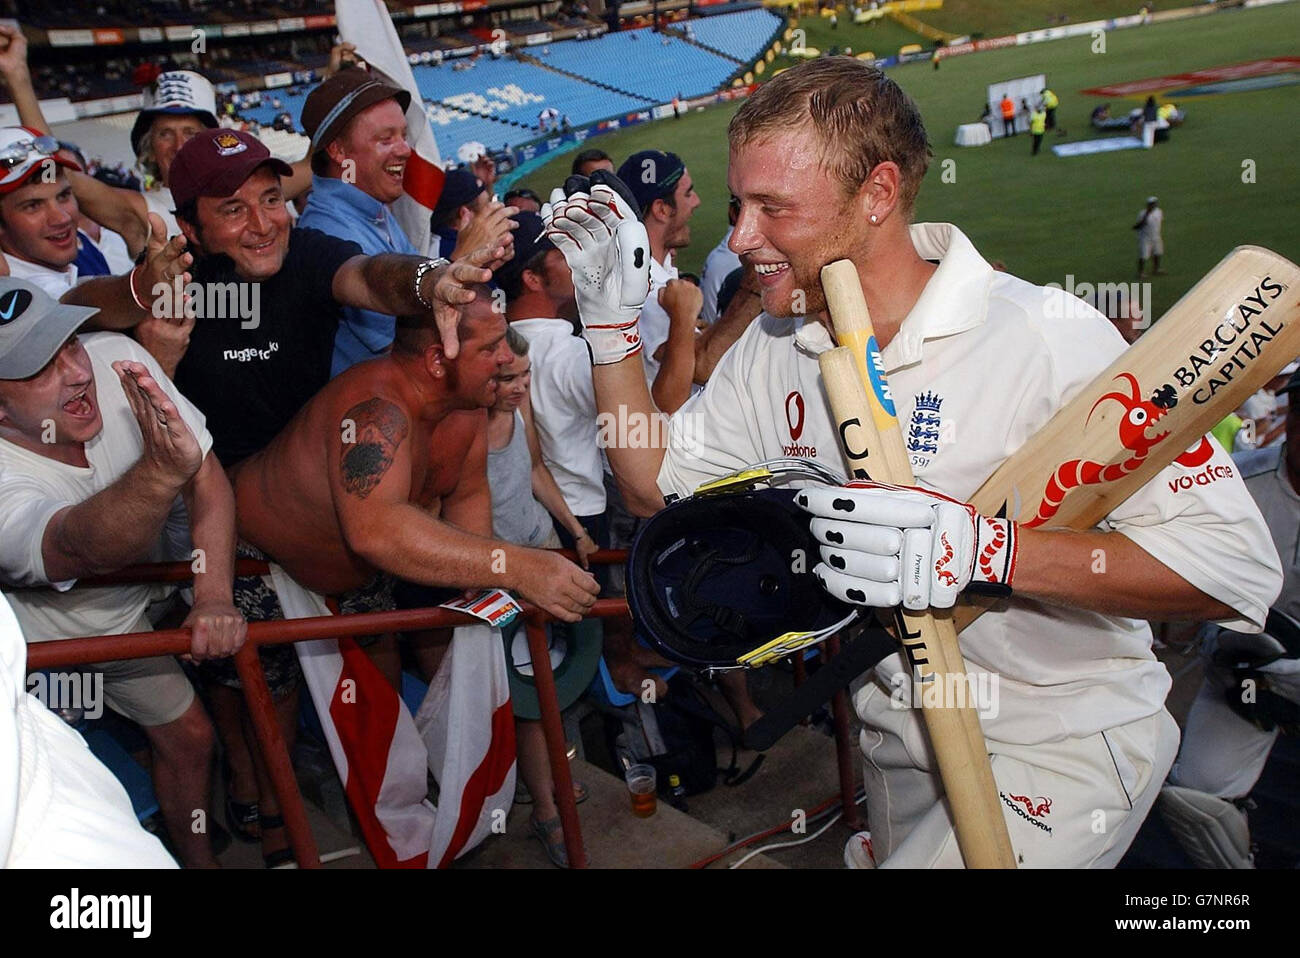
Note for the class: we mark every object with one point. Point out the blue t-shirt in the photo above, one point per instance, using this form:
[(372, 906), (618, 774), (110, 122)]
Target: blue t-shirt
[(341, 209)]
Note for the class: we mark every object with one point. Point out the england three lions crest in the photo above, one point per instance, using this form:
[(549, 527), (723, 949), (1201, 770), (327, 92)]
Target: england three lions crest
[(923, 429)]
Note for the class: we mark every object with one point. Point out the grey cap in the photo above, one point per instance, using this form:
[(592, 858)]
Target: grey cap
[(33, 327)]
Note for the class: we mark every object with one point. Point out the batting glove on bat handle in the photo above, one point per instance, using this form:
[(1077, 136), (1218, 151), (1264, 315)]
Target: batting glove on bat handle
[(608, 253), (883, 546)]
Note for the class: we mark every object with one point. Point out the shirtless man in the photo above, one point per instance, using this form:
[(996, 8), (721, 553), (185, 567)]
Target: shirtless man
[(385, 471)]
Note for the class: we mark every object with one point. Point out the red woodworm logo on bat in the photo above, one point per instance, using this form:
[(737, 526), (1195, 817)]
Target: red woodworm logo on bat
[(1140, 416)]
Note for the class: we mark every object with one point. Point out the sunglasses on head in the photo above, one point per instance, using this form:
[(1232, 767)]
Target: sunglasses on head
[(15, 154)]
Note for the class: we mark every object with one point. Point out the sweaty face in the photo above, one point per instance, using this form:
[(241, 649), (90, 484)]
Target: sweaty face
[(61, 395), (792, 218), (40, 222), (251, 227), (167, 135), (678, 233), (513, 382), (472, 375), (375, 150)]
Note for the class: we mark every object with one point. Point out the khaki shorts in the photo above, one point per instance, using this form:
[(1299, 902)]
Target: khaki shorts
[(150, 692)]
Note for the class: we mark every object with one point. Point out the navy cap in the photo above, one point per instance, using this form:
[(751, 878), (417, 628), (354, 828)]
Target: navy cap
[(460, 187), (530, 239), (651, 175)]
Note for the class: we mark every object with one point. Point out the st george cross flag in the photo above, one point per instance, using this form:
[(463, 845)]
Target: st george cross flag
[(367, 25), (465, 738)]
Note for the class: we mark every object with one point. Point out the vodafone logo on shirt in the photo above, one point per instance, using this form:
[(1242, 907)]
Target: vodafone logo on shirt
[(794, 417), (1202, 478)]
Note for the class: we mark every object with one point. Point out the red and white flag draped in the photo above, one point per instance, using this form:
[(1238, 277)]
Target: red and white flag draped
[(368, 26), (464, 735)]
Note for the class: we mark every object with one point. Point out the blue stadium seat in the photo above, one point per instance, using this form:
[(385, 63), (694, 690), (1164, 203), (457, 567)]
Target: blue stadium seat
[(742, 35)]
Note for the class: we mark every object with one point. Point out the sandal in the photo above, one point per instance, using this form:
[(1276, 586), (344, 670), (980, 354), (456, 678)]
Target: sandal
[(551, 835), (524, 797), (242, 817), (281, 856)]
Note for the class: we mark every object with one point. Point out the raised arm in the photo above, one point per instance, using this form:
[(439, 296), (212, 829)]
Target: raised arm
[(370, 484), (681, 300), (386, 284), (148, 290), (608, 254), (710, 346), (120, 524)]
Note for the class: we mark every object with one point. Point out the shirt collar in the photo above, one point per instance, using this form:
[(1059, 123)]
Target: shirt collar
[(954, 300), (333, 190)]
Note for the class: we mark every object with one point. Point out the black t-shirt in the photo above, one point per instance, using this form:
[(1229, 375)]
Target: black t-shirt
[(251, 382)]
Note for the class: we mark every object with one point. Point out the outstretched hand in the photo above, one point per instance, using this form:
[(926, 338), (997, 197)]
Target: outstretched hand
[(170, 447), (452, 293)]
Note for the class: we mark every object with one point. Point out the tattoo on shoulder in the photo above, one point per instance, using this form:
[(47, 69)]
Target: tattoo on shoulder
[(379, 427)]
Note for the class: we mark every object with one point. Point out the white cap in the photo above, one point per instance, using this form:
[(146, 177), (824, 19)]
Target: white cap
[(1151, 199)]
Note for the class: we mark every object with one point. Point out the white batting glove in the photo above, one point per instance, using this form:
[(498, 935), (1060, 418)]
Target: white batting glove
[(884, 545), (608, 253)]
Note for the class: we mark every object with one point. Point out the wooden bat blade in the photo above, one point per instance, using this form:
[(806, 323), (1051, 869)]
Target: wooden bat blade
[(1221, 342), (929, 643)]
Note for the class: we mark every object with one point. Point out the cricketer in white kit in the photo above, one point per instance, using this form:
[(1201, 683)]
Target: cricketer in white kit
[(978, 361)]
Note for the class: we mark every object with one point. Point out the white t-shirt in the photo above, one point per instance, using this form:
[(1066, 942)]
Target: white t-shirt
[(53, 282), (720, 263), (654, 318), (564, 408), (160, 201), (114, 249), (59, 806), (33, 488), (978, 362), (1150, 229)]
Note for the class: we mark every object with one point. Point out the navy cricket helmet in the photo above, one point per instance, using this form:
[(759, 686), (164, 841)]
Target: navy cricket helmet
[(723, 579)]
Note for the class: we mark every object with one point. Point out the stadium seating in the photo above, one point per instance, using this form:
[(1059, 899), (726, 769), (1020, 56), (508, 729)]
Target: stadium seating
[(640, 62), (742, 35)]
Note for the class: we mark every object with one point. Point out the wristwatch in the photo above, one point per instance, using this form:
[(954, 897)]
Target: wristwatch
[(426, 266)]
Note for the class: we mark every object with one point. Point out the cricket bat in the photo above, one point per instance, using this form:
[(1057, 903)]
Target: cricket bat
[(863, 409), (1221, 342)]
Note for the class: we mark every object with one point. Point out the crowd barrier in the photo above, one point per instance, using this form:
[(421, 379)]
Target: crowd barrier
[(79, 651)]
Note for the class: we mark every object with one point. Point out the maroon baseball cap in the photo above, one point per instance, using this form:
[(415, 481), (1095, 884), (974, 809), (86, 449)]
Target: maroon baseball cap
[(217, 162)]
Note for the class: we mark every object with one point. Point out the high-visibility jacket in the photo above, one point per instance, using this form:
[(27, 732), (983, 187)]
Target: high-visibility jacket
[(1008, 108), (1038, 121), (1050, 101)]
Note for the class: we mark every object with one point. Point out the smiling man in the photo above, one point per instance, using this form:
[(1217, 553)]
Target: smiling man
[(251, 370), (38, 213), (825, 164)]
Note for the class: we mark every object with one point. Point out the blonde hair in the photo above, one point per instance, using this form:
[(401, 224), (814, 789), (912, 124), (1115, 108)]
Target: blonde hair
[(861, 117)]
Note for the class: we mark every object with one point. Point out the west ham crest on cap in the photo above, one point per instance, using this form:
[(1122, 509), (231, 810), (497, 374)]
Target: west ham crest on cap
[(228, 144)]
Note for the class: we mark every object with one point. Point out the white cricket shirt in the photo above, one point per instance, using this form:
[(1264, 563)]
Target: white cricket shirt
[(977, 367)]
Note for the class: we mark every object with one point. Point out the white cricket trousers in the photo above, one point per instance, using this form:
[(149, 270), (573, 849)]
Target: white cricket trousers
[(1076, 803)]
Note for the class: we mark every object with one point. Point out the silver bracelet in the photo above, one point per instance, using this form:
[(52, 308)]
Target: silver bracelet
[(426, 266)]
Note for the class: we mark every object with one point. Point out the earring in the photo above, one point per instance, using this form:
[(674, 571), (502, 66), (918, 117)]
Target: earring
[(873, 217)]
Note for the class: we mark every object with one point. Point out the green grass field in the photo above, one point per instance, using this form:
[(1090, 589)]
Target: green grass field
[(1048, 217)]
